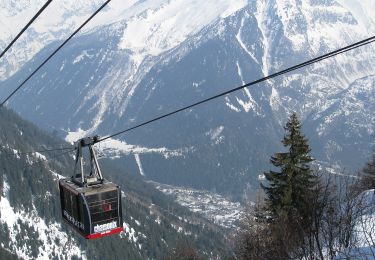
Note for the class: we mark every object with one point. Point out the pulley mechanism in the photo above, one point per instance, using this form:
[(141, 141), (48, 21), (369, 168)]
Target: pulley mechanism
[(95, 176), (89, 203)]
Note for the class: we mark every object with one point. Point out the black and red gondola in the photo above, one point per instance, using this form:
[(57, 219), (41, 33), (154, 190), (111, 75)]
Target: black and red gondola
[(89, 203)]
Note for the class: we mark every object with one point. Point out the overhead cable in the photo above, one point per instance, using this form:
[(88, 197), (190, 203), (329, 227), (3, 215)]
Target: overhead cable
[(69, 149), (49, 57), (274, 75), (25, 28)]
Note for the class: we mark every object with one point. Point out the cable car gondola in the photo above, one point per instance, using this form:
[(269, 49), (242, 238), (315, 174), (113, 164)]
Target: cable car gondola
[(89, 203)]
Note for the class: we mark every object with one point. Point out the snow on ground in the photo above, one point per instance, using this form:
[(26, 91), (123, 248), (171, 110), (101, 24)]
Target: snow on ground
[(171, 22), (139, 163), (82, 56), (56, 175), (177, 228), (362, 11), (242, 43), (132, 235), (158, 220), (16, 153), (231, 106), (129, 232), (261, 17), (115, 148), (72, 137), (212, 206), (56, 22), (40, 156), (152, 26), (216, 134), (251, 103), (48, 234), (364, 229)]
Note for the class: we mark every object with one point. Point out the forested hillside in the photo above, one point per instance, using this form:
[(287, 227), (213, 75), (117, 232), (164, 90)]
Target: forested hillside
[(30, 218)]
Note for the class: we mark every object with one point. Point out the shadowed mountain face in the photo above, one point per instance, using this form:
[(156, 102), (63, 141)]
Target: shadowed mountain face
[(115, 76)]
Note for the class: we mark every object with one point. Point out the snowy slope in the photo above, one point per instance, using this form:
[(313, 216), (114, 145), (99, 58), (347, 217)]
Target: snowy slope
[(54, 24), (362, 11), (365, 226), (50, 235), (168, 25), (364, 229), (61, 18)]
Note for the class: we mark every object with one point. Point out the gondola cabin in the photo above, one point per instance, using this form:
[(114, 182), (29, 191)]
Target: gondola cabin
[(89, 203), (94, 211)]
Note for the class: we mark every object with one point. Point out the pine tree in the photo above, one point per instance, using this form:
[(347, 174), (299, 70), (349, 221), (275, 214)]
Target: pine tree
[(289, 189)]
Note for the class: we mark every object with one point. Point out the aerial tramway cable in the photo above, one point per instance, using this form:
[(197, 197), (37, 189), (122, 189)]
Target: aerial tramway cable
[(68, 149), (25, 28), (91, 204), (274, 75), (49, 57)]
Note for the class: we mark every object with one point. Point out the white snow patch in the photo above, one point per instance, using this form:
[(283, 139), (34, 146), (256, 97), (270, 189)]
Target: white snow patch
[(231, 106), (16, 153), (62, 66), (130, 233), (241, 42), (216, 134), (251, 103), (168, 24), (72, 137), (364, 229), (362, 10), (80, 57), (56, 175), (261, 177), (40, 156), (275, 100), (139, 163), (115, 148), (261, 16), (177, 228)]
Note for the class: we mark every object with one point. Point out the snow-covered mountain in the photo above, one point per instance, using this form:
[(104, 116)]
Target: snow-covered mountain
[(55, 23), (61, 18), (150, 57)]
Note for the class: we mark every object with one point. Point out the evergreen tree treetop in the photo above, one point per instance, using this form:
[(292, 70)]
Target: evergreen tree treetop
[(290, 187)]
